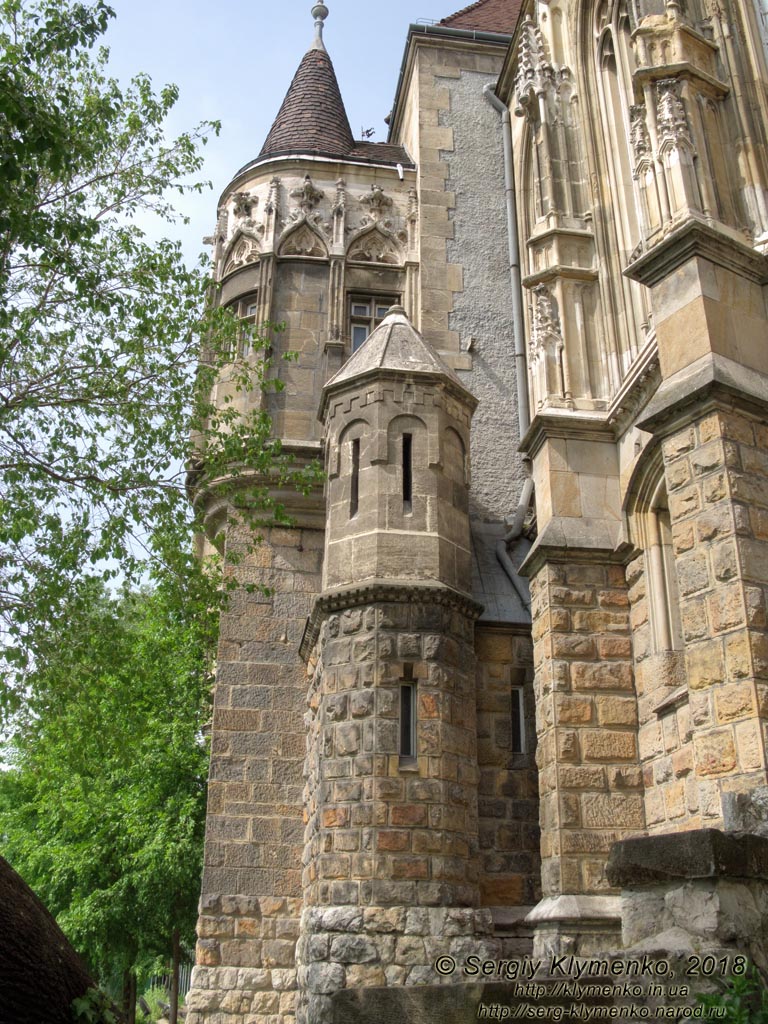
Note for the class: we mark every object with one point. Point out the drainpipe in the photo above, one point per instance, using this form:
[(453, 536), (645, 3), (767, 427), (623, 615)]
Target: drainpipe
[(521, 368), (523, 409)]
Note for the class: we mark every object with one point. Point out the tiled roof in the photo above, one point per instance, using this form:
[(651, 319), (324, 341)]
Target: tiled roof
[(380, 153), (312, 118), (487, 16)]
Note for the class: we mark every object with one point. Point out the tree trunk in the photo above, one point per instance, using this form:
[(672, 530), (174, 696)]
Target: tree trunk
[(129, 997), (175, 978)]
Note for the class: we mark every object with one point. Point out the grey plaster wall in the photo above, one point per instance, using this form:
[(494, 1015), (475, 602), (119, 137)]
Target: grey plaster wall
[(483, 310)]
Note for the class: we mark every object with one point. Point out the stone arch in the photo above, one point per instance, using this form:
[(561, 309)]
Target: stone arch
[(650, 525), (454, 457), (242, 248), (355, 429), (374, 245), (302, 239)]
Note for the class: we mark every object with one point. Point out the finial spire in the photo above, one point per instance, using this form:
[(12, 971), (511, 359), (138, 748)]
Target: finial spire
[(319, 13)]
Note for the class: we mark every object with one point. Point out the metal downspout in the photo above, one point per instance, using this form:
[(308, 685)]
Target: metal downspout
[(521, 369)]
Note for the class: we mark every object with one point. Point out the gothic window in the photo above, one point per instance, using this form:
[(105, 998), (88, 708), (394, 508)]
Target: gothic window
[(517, 737), (761, 8), (354, 483), (407, 473), (614, 58), (365, 313)]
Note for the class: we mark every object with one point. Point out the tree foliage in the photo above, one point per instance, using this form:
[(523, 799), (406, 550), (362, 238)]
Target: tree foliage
[(102, 809), (111, 349), (101, 329)]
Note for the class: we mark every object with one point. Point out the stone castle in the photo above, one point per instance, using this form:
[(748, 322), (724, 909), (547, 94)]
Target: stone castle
[(508, 693)]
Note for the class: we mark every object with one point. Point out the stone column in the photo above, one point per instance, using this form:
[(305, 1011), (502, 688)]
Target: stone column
[(717, 479), (711, 418), (590, 782)]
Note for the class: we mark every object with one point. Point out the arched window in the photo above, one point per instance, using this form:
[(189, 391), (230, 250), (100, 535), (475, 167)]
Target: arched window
[(663, 593)]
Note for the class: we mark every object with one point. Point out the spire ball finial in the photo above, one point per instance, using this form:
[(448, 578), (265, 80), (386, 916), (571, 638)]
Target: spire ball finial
[(319, 13)]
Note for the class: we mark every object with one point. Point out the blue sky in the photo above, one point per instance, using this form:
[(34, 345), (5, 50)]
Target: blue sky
[(233, 61)]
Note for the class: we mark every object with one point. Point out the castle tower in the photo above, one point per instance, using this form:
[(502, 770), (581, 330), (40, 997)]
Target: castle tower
[(391, 845), (317, 228)]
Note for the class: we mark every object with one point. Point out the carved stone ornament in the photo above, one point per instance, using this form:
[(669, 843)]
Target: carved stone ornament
[(670, 114), (376, 202), (273, 199), (545, 318), (534, 69), (340, 203), (244, 249), (244, 204), (308, 197), (373, 247), (303, 241), (638, 132)]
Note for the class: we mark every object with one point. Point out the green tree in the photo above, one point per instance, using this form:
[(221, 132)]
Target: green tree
[(102, 807), (110, 347), (101, 387)]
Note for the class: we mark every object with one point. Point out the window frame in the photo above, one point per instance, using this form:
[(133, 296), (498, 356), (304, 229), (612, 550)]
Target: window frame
[(369, 321)]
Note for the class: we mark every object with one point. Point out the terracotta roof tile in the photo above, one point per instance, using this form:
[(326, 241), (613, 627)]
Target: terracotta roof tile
[(487, 16), (380, 153), (312, 118)]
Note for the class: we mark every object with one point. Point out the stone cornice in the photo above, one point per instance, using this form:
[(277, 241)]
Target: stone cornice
[(585, 426), (708, 382), (383, 591), (571, 539), (694, 239)]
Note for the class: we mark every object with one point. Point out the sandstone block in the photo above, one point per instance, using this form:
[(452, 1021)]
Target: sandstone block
[(607, 745), (715, 752)]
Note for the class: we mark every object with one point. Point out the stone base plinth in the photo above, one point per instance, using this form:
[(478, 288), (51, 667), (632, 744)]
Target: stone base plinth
[(578, 925), (372, 947), (703, 890)]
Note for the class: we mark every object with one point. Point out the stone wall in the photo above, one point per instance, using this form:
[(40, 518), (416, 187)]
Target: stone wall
[(717, 477), (391, 847), (508, 791), (251, 888), (665, 736)]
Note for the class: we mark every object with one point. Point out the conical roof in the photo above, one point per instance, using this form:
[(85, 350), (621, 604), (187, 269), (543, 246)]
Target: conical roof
[(312, 118), (397, 346)]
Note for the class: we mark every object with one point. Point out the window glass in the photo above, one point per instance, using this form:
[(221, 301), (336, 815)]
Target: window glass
[(365, 313)]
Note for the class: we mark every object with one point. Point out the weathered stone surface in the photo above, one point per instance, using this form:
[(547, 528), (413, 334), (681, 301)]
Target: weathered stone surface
[(700, 853)]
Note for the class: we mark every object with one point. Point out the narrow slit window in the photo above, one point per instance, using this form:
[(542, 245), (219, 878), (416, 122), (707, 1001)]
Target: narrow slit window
[(517, 738), (407, 721), (407, 472), (408, 717), (354, 489)]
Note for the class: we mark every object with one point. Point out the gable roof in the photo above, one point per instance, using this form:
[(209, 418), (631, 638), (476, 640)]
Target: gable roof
[(487, 16), (312, 118)]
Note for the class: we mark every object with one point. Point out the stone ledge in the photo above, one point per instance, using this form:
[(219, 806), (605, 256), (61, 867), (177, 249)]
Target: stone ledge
[(703, 853), (566, 539), (711, 377), (383, 592), (569, 908), (697, 238)]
